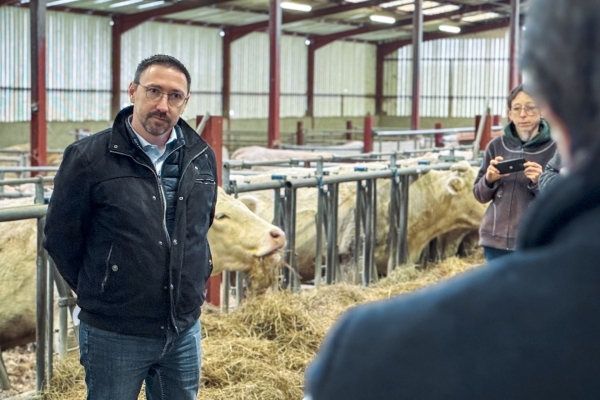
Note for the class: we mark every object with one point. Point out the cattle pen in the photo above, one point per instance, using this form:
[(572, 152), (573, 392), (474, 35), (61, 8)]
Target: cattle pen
[(285, 189)]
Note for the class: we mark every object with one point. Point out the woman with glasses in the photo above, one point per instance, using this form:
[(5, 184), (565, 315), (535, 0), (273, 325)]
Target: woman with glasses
[(527, 136)]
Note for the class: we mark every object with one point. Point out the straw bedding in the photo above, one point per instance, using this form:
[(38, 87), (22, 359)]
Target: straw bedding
[(261, 350)]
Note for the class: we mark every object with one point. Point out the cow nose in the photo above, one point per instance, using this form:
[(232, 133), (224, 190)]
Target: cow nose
[(278, 235)]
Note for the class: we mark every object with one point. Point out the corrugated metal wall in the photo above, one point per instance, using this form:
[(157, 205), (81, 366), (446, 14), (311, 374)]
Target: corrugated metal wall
[(458, 77), (77, 67), (250, 76), (14, 70), (198, 48), (458, 74), (345, 79)]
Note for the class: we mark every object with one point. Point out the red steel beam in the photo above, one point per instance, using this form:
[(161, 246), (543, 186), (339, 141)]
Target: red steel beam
[(323, 40), (274, 71), (129, 21), (390, 47), (226, 89), (7, 2), (310, 84), (37, 18), (115, 65), (241, 31), (379, 65), (513, 74), (417, 39)]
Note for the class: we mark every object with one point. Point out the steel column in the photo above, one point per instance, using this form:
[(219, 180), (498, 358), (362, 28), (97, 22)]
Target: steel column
[(226, 90), (368, 134), (310, 84), (274, 72), (37, 13), (379, 70), (514, 78), (115, 66), (417, 40)]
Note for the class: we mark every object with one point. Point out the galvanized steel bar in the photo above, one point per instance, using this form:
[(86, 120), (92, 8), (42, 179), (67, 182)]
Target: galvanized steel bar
[(42, 378), (290, 229), (332, 264)]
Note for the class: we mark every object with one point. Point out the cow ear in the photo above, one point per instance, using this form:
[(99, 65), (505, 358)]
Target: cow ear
[(455, 185), (250, 201)]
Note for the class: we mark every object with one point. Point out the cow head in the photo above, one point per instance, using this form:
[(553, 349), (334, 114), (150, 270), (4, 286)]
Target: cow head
[(241, 241)]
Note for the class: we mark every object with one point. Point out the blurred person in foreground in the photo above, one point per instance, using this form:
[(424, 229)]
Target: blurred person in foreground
[(527, 325), (527, 136), (127, 227)]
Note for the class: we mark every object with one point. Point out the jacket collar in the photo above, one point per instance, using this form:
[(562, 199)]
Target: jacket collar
[(122, 141), (543, 137), (568, 198)]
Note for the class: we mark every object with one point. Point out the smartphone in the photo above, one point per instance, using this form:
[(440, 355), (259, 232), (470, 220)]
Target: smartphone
[(508, 166)]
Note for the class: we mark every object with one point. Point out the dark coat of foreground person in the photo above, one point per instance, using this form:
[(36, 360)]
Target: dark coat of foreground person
[(526, 325)]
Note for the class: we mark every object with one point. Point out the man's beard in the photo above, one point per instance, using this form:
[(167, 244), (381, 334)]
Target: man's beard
[(154, 127)]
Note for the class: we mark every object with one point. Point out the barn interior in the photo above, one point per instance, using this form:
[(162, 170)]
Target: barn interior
[(391, 93)]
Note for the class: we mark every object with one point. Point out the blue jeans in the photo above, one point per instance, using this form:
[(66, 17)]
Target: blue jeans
[(116, 364), (491, 253)]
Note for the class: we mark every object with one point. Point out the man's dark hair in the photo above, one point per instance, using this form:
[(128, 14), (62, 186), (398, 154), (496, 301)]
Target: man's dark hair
[(561, 55), (164, 61)]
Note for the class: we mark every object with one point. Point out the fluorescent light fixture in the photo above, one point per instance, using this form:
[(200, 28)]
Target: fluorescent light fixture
[(307, 42), (395, 3), (222, 33), (296, 6), (480, 17), (58, 2), (153, 4), (441, 9), (124, 3), (449, 28), (411, 7), (383, 19), (24, 1)]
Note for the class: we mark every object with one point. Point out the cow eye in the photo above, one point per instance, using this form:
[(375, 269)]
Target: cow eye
[(220, 216)]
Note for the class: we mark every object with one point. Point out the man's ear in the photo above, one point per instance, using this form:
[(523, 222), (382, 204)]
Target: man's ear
[(131, 92)]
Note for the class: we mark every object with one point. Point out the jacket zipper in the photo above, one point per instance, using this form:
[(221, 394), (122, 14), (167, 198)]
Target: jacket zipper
[(105, 280), (164, 206)]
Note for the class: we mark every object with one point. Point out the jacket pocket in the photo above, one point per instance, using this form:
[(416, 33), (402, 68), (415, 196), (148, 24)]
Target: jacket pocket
[(110, 267)]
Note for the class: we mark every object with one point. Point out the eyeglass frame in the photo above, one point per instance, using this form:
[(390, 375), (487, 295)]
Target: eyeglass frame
[(529, 110), (162, 93)]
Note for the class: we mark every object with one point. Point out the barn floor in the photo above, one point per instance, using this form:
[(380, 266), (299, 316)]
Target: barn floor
[(20, 364)]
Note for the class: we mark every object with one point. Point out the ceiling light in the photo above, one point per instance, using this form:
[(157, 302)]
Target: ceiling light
[(222, 33), (395, 3), (480, 16), (153, 4), (124, 3), (383, 19), (307, 42), (296, 6), (57, 2), (449, 28)]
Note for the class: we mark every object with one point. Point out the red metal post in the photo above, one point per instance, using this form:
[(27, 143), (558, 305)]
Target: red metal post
[(486, 134), (274, 71), (226, 90), (213, 135), (115, 89), (300, 133), (310, 85), (514, 77), (37, 9), (348, 130), (496, 120), (439, 137), (417, 40), (368, 134), (379, 65)]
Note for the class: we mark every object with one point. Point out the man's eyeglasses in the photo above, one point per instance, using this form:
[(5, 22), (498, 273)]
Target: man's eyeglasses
[(529, 110), (155, 94)]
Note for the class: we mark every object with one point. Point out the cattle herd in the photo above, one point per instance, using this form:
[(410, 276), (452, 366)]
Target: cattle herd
[(243, 237)]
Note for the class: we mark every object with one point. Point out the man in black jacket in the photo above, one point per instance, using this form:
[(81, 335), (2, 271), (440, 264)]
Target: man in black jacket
[(127, 227), (525, 326)]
